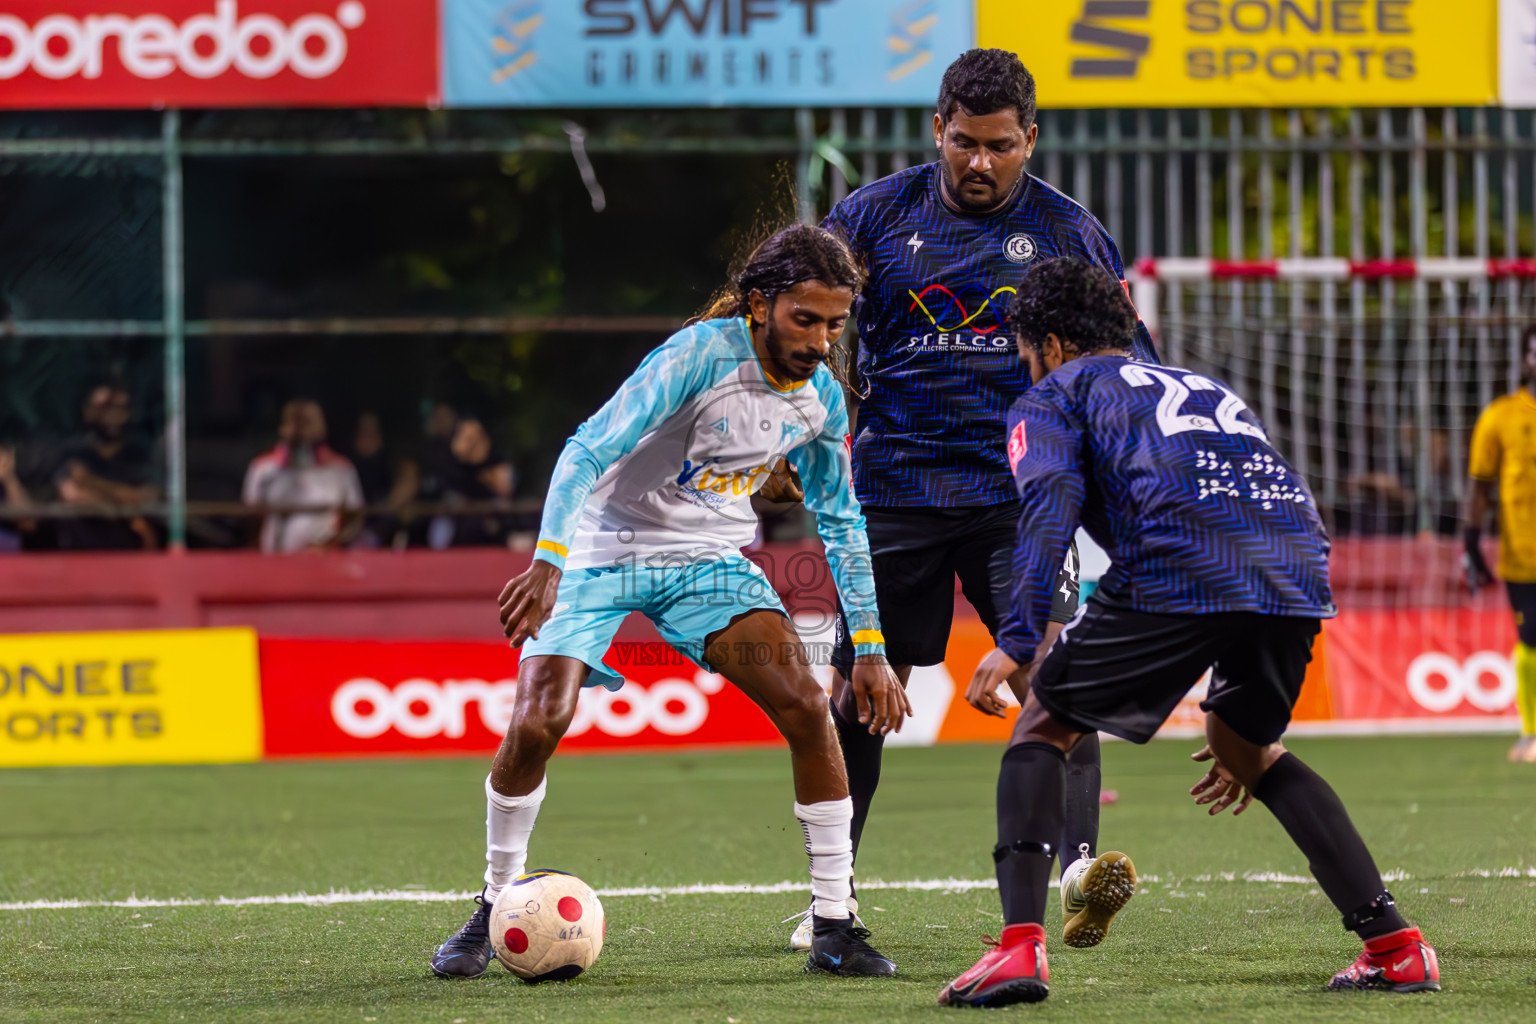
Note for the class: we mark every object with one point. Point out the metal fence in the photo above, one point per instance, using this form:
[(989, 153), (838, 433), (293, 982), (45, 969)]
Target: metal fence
[(1364, 382), (1371, 385)]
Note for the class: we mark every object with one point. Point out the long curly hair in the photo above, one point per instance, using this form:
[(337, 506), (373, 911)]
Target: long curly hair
[(800, 252)]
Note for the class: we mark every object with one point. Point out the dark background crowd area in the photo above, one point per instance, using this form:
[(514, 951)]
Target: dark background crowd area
[(351, 282)]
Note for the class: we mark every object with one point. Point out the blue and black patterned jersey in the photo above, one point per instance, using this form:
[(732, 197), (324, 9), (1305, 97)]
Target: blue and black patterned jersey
[(1175, 478), (939, 367)]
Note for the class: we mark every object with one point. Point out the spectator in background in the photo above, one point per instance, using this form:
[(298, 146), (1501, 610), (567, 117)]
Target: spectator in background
[(1387, 504), (435, 463), (373, 470), (107, 467), (387, 483), (423, 473), (303, 470), (477, 474), (13, 498)]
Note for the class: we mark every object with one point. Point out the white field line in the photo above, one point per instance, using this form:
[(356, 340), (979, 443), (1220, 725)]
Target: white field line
[(946, 885)]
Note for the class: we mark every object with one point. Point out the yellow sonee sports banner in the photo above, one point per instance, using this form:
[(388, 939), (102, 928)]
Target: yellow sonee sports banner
[(1223, 53), (156, 697)]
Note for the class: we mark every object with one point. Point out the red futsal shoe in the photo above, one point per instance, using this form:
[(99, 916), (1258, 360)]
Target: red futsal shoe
[(1397, 962), (1012, 971)]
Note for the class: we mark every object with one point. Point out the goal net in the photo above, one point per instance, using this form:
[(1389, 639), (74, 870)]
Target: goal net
[(1369, 378)]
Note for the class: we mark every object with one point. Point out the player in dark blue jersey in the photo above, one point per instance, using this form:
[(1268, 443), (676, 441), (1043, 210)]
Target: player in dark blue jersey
[(944, 245), (1219, 561)]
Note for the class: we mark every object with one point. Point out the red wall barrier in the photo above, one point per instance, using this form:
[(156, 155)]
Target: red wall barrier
[(450, 595), (421, 595)]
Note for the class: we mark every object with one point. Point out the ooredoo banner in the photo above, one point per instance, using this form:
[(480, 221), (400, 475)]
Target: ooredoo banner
[(1372, 670), (1225, 53), (329, 697), (1431, 663), (153, 697), (1431, 668), (218, 53)]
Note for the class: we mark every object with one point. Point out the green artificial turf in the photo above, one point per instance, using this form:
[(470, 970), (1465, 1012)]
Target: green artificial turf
[(1199, 942)]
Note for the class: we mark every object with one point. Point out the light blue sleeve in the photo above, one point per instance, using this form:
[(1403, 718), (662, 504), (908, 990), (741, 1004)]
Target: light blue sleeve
[(680, 368), (826, 473)]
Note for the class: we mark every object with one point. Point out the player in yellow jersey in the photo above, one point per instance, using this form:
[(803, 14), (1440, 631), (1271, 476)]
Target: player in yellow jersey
[(1504, 459)]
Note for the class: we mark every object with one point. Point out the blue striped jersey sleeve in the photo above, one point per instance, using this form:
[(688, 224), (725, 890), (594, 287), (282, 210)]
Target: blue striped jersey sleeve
[(1045, 449)]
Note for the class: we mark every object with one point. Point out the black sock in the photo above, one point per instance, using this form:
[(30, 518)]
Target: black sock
[(1029, 816), (861, 754), (1082, 795), (1317, 823)]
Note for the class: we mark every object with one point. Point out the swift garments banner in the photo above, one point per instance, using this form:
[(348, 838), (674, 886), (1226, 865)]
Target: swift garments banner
[(218, 53), (668, 53), (1224, 53)]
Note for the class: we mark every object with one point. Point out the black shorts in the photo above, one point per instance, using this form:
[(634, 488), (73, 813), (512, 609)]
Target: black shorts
[(1522, 601), (916, 555), (1123, 672)]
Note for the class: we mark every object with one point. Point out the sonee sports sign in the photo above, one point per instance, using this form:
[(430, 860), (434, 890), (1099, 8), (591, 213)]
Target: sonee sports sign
[(201, 53)]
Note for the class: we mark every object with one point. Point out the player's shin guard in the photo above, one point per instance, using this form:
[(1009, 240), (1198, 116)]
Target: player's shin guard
[(831, 851), (508, 824), (1029, 820), (1317, 823), (861, 755), (1084, 780)]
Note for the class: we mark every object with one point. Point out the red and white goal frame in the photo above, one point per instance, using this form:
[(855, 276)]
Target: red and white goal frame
[(1149, 274)]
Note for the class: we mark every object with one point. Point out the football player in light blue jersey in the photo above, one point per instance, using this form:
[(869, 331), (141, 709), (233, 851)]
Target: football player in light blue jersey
[(647, 511)]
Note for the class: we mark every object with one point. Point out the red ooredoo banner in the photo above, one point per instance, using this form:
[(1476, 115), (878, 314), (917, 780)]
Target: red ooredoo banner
[(327, 697), (1425, 663), (218, 53)]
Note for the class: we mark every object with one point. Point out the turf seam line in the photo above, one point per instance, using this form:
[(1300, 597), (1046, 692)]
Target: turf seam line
[(699, 889)]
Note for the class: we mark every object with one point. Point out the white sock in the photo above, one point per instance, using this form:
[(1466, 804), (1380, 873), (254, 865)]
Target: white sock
[(508, 824), (829, 842)]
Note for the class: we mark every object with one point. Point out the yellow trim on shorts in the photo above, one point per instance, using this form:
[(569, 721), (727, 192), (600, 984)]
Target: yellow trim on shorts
[(868, 636)]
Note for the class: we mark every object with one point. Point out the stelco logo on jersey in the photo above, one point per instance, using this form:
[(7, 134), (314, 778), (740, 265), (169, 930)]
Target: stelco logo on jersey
[(193, 53), (969, 319)]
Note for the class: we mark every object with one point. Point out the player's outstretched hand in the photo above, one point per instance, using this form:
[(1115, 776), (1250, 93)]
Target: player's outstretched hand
[(1218, 788), (882, 701), (527, 601), (993, 671)]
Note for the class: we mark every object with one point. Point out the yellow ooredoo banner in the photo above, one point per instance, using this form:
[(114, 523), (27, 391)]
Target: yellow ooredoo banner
[(156, 697), (1224, 53)]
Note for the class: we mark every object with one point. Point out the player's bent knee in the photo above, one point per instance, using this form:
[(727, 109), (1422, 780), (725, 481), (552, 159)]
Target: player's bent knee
[(801, 713), (1246, 760), (1037, 725), (546, 702)]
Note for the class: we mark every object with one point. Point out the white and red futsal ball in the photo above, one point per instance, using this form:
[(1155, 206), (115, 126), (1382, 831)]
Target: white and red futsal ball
[(547, 926)]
